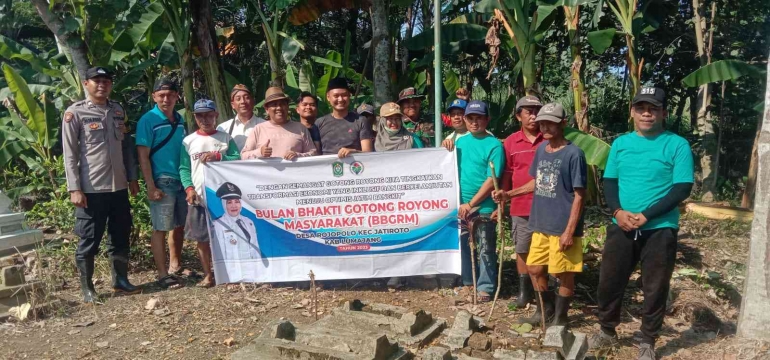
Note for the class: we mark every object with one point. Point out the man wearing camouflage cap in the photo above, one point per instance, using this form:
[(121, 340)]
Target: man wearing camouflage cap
[(410, 102), (100, 164)]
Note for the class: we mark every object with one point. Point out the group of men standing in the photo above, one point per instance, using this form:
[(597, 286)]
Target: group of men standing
[(543, 175)]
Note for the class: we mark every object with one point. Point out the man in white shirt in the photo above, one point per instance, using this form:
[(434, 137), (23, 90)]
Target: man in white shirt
[(245, 120)]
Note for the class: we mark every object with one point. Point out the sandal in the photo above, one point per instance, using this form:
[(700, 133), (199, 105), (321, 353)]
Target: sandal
[(190, 274), (205, 284), (169, 282), (178, 271), (483, 297)]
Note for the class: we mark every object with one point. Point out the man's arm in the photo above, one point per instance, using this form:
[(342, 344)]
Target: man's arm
[(527, 188), (232, 152), (566, 239), (185, 172), (71, 147), (146, 167), (250, 150), (366, 145), (483, 193), (678, 193)]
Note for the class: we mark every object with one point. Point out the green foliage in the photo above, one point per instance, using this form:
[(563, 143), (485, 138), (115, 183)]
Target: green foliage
[(596, 150), (722, 70)]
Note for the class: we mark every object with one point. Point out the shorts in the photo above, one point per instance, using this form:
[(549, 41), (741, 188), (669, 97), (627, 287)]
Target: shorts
[(171, 210), (545, 251), (196, 227), (521, 233)]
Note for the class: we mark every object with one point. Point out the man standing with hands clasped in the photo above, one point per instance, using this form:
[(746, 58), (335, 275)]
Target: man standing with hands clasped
[(99, 166), (644, 201), (556, 217)]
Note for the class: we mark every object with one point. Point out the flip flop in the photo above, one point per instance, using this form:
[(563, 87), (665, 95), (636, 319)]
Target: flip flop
[(169, 282), (205, 284), (190, 274), (483, 297), (177, 272)]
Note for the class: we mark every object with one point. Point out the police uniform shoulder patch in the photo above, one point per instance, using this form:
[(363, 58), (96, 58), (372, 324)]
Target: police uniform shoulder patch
[(68, 116)]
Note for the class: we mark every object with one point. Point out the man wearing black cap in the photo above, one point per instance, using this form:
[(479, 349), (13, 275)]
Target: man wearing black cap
[(99, 164), (235, 233), (159, 137), (343, 132), (411, 101), (644, 202)]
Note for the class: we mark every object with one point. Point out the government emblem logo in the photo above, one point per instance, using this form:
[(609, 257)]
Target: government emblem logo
[(337, 169), (357, 167)]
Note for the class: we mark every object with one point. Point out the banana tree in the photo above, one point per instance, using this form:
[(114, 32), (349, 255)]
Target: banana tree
[(30, 128), (281, 47), (524, 32), (596, 151), (633, 24), (177, 17)]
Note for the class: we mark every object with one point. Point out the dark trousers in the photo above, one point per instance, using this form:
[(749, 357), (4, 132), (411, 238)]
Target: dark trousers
[(105, 210), (656, 249)]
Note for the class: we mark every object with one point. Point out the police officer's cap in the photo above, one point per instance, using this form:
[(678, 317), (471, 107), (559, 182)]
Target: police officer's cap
[(228, 190), (98, 71)]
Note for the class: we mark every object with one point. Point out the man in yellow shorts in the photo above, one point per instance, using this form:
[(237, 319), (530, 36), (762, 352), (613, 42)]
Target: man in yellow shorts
[(556, 217)]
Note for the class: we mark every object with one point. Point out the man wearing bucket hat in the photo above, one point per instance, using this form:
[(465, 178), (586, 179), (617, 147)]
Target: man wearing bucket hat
[(100, 167), (410, 102), (245, 120), (518, 185), (343, 132), (159, 136), (203, 146), (279, 136), (644, 203), (556, 217), (475, 152)]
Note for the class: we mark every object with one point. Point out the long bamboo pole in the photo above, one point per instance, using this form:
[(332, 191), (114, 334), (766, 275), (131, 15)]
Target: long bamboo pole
[(500, 258), (437, 83)]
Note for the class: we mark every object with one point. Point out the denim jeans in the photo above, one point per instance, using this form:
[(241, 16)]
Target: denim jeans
[(486, 255)]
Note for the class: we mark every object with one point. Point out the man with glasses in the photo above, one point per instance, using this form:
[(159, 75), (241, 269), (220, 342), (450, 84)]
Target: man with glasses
[(518, 185)]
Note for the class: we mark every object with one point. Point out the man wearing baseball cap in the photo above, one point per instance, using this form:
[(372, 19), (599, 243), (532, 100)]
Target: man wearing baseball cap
[(343, 132), (475, 152), (159, 136), (279, 137), (556, 217), (205, 145), (245, 120), (100, 167), (367, 111), (644, 202), (518, 185)]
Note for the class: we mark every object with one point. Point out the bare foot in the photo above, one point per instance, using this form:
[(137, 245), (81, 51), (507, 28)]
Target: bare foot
[(207, 282)]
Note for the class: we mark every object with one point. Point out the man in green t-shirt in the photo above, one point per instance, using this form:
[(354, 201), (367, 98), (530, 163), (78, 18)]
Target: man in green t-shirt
[(644, 202), (474, 153)]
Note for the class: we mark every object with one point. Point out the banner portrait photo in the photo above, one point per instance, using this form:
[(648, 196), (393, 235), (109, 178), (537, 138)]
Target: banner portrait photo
[(365, 216)]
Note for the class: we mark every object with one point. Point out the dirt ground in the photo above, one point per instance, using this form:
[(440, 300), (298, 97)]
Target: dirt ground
[(195, 323)]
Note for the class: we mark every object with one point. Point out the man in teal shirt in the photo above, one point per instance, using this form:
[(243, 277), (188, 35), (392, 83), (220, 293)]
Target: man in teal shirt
[(474, 153), (649, 172), (159, 136)]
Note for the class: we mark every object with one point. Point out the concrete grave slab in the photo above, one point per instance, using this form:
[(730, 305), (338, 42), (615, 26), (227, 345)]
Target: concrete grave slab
[(504, 354), (437, 353)]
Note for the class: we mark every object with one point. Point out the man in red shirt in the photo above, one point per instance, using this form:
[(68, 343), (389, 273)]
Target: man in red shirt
[(518, 187)]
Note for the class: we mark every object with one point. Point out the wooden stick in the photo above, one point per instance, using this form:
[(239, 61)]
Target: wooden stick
[(500, 236), (542, 313), (314, 294), (472, 241)]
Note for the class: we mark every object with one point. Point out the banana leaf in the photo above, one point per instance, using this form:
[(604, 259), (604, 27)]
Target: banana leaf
[(595, 149), (722, 70), (26, 102)]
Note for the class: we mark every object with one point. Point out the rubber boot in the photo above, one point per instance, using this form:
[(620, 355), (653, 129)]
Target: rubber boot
[(120, 283), (537, 317), (561, 308), (86, 269), (526, 292)]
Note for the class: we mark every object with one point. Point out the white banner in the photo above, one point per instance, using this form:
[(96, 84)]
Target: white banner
[(369, 215)]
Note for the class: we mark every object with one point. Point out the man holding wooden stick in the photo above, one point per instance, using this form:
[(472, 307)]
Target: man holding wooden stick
[(474, 153), (559, 169), (518, 186)]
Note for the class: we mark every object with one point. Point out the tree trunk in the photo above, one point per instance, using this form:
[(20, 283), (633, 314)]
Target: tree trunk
[(381, 44), (188, 91), (209, 59), (73, 46), (579, 95), (704, 124), (751, 183), (754, 320)]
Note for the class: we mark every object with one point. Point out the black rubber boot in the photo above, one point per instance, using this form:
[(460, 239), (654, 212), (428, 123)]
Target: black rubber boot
[(561, 308), (86, 269), (526, 292), (120, 281), (537, 317)]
